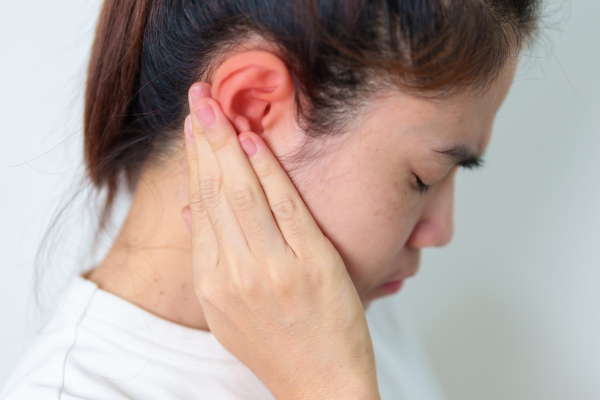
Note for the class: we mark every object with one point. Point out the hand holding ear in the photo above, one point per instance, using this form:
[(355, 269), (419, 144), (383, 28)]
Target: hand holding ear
[(274, 290)]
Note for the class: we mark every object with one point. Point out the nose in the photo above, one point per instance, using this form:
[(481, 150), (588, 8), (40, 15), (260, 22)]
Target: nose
[(435, 226)]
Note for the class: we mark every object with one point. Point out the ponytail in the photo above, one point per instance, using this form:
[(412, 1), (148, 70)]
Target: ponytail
[(112, 84)]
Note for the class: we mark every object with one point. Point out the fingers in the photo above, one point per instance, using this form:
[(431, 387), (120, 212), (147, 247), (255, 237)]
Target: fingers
[(204, 243), (227, 231), (240, 188), (295, 221)]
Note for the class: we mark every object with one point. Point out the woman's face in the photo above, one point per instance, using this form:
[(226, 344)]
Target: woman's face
[(364, 192)]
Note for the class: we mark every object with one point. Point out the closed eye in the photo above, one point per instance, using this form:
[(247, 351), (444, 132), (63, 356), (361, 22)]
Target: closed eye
[(472, 163), (460, 155)]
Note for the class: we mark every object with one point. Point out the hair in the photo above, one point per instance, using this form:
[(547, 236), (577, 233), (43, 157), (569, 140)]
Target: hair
[(147, 53)]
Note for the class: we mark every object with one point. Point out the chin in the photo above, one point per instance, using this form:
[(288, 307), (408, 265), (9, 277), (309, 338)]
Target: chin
[(367, 302)]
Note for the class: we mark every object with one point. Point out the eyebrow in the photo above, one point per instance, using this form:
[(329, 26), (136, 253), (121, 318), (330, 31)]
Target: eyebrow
[(461, 155)]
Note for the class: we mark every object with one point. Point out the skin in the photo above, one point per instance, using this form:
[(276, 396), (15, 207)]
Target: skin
[(362, 192), (269, 281)]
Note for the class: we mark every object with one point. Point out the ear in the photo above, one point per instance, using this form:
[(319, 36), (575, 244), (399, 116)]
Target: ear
[(255, 90)]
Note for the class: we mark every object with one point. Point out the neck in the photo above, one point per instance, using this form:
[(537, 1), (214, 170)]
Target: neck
[(150, 262)]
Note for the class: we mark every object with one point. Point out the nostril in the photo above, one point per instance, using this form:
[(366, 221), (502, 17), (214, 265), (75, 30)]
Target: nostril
[(267, 109)]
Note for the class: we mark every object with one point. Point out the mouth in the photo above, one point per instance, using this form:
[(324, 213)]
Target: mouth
[(394, 285), (406, 268), (391, 287)]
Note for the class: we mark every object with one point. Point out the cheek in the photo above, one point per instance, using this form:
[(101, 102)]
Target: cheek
[(367, 220)]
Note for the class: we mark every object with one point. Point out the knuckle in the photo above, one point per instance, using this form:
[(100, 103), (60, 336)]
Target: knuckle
[(309, 255), (314, 255), (210, 188), (205, 289), (285, 209), (265, 170), (241, 198), (283, 285), (196, 203), (220, 142)]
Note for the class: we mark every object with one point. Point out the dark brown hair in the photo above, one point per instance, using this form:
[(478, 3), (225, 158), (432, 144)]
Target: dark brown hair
[(147, 53)]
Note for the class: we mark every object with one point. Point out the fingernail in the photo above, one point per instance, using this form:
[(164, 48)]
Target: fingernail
[(188, 127), (198, 92), (187, 222), (248, 146), (205, 115)]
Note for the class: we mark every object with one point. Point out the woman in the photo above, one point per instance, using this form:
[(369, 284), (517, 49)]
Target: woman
[(311, 149)]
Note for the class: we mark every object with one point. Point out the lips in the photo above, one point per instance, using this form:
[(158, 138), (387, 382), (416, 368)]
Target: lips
[(391, 287), (402, 276), (409, 266), (396, 283)]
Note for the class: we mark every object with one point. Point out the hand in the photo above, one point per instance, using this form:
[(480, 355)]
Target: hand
[(274, 290)]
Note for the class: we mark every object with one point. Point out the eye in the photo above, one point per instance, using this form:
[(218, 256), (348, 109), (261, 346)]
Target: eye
[(422, 187)]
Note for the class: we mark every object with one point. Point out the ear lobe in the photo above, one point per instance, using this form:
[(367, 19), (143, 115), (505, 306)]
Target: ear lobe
[(254, 89)]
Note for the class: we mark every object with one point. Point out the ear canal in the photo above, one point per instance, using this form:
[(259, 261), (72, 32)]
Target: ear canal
[(250, 111)]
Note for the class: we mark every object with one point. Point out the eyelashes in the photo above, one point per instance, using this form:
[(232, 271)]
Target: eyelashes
[(473, 163), (469, 164)]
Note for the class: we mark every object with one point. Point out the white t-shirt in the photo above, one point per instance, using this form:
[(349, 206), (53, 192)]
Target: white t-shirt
[(98, 346)]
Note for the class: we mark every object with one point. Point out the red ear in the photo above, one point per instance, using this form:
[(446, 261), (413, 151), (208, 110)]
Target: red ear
[(254, 89)]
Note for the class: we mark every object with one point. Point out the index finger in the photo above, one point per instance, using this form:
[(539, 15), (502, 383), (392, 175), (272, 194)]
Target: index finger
[(293, 217), (204, 243), (241, 186)]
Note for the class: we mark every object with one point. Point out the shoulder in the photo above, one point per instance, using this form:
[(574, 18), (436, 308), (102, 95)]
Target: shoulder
[(99, 346), (47, 370), (52, 367)]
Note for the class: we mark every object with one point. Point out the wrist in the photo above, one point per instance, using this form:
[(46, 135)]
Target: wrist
[(346, 387)]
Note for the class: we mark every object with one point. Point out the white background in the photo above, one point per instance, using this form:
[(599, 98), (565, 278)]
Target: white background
[(510, 310)]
